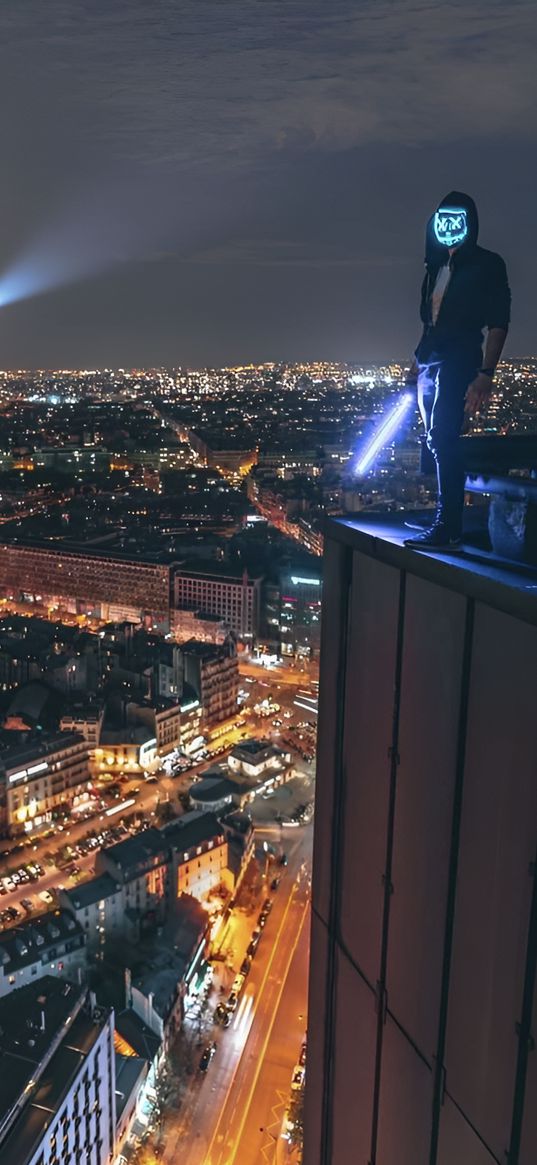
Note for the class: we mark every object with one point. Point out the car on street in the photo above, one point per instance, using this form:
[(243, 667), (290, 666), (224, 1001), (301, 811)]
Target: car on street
[(207, 1056), (46, 896), (303, 1050), (246, 966), (267, 906), (27, 903), (261, 920), (253, 944), (297, 1079), (221, 1015), (275, 883), (232, 1001), (282, 860)]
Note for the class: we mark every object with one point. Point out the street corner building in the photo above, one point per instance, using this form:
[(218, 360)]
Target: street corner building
[(422, 1026)]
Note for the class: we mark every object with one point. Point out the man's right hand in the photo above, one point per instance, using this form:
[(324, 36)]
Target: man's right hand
[(411, 376)]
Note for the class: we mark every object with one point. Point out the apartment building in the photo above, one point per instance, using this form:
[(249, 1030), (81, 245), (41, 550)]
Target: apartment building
[(57, 1092), (233, 598), (113, 586), (41, 778), (212, 671)]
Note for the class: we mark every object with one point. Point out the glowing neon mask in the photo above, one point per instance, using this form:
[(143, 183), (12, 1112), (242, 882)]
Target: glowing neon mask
[(450, 226)]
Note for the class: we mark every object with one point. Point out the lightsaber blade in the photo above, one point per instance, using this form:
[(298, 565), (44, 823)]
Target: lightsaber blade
[(385, 433)]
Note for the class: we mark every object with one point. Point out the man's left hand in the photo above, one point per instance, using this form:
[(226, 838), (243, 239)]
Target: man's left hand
[(477, 394)]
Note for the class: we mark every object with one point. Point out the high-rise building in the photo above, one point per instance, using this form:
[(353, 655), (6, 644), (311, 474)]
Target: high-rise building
[(234, 598), (421, 1043), (57, 1094), (212, 670), (300, 613)]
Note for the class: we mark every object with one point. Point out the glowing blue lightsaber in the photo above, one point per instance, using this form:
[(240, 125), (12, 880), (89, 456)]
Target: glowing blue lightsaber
[(385, 432)]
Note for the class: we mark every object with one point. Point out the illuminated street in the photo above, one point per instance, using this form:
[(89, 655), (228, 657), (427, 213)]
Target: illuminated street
[(247, 1084)]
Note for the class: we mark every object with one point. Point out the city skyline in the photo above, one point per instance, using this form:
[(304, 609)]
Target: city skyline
[(199, 188)]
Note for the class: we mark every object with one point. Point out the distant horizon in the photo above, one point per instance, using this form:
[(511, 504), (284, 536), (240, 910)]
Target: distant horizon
[(233, 367)]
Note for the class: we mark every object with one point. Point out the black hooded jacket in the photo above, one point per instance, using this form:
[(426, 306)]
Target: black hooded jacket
[(476, 297)]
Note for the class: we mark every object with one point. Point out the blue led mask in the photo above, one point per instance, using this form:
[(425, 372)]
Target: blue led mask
[(450, 226)]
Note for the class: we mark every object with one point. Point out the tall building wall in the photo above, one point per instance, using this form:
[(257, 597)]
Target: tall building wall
[(234, 599), (106, 580), (424, 933)]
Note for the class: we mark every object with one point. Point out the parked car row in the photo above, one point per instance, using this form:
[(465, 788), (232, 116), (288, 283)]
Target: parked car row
[(31, 872), (9, 915), (225, 1010), (264, 913)]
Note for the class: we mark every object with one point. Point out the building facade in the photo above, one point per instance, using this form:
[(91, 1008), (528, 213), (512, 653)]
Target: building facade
[(98, 906), (51, 944), (424, 932), (213, 672), (233, 598), (86, 719), (113, 586), (300, 613), (139, 879), (57, 1097), (40, 779)]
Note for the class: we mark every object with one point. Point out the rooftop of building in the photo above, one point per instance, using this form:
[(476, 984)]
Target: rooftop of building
[(477, 572), (130, 1072), (81, 550), (204, 650), (192, 829), (133, 855), (152, 846), (65, 1065), (88, 893), (42, 745), (27, 943), (30, 1020), (129, 734), (255, 750), (238, 821), (134, 1037), (88, 708), (210, 567), (212, 788), (161, 962), (202, 616)]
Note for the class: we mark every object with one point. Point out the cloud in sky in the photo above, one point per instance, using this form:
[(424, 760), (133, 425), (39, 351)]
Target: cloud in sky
[(249, 156), (210, 83)]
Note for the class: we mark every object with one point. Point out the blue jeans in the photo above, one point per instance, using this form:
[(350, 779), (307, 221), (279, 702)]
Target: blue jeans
[(441, 391)]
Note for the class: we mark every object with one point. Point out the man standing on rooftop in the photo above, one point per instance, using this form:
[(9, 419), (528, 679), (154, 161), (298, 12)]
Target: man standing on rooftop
[(465, 290)]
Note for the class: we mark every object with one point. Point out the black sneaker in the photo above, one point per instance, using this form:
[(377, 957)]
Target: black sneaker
[(437, 538)]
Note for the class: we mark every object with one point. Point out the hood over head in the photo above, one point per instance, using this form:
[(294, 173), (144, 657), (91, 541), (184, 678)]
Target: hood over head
[(435, 252)]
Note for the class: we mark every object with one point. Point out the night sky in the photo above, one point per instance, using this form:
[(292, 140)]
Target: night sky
[(217, 181)]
